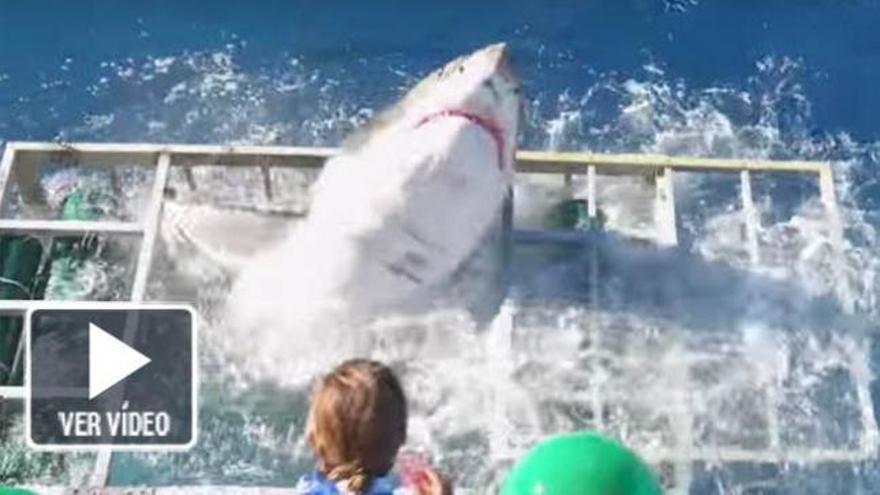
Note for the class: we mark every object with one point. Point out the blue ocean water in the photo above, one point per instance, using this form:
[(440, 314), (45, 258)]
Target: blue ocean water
[(65, 67), (52, 51), (774, 79)]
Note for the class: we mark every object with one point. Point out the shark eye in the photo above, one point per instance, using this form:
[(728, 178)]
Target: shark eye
[(460, 69), (517, 90)]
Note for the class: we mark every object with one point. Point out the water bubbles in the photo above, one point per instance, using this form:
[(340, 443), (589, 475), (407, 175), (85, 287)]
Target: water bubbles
[(679, 6), (96, 121)]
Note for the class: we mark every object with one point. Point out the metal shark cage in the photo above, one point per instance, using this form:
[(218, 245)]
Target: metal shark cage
[(21, 160)]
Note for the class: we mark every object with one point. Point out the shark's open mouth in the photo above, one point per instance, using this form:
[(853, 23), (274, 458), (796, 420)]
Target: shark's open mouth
[(493, 128)]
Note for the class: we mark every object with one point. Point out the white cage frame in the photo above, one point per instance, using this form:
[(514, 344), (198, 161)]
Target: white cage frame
[(20, 161)]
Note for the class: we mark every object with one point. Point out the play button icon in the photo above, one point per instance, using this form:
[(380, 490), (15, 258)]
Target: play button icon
[(110, 360), (114, 375)]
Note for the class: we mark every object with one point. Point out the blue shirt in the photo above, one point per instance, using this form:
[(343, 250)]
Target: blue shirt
[(316, 484)]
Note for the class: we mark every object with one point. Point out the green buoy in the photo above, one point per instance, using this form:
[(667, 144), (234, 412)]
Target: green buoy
[(15, 491), (581, 464)]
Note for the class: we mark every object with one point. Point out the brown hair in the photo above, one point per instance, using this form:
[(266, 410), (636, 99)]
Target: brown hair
[(357, 422)]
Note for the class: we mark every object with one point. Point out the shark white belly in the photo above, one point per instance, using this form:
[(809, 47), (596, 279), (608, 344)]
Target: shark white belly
[(400, 210)]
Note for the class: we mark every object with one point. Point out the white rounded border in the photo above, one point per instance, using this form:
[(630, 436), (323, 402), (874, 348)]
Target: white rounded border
[(117, 306)]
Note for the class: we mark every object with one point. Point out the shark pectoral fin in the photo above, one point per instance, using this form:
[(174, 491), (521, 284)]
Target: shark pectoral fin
[(227, 237)]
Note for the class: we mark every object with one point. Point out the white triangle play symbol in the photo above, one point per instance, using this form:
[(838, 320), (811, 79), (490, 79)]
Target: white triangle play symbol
[(110, 360)]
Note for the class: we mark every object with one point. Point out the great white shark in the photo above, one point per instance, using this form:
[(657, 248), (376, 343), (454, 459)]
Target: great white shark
[(401, 209)]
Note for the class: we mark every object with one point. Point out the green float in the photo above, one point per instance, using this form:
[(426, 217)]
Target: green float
[(581, 464)]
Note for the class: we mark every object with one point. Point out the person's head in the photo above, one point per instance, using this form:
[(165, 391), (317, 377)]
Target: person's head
[(357, 422)]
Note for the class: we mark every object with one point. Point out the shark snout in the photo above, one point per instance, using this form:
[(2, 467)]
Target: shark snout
[(499, 53)]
